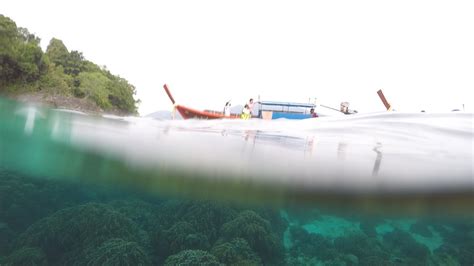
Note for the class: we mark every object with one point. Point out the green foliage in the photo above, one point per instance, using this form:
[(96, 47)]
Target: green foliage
[(24, 68), (88, 66), (74, 63), (108, 91), (57, 52), (8, 33), (117, 251), (55, 81), (94, 85), (121, 94), (21, 57), (192, 258)]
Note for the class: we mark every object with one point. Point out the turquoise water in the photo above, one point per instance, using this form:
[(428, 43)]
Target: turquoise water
[(379, 189)]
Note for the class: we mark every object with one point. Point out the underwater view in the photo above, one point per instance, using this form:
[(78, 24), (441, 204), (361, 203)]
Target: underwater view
[(377, 189)]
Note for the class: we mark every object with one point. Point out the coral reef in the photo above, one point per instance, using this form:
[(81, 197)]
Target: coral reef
[(192, 258), (421, 229), (274, 217), (257, 232), (459, 241), (144, 214), (27, 256), (310, 245), (71, 231), (235, 252), (205, 217), (405, 249), (6, 237), (359, 245), (180, 236), (117, 251), (24, 200), (368, 225), (314, 249), (46, 222)]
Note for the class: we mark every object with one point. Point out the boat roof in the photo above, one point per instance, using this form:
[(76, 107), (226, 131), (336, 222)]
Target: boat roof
[(290, 104)]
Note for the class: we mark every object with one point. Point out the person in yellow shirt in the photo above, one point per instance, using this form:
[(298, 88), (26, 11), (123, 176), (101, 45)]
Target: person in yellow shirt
[(245, 112)]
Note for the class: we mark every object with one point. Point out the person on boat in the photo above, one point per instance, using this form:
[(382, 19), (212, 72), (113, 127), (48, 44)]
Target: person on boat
[(313, 113), (227, 109), (345, 108), (245, 112), (250, 104)]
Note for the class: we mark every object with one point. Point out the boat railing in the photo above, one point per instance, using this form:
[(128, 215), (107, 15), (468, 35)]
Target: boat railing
[(286, 107)]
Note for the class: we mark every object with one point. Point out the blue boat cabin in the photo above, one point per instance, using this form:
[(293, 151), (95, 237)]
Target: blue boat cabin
[(274, 110)]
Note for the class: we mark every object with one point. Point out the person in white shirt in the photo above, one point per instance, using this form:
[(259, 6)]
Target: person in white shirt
[(250, 104), (227, 109)]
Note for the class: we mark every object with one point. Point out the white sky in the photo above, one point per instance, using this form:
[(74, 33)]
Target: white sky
[(421, 53)]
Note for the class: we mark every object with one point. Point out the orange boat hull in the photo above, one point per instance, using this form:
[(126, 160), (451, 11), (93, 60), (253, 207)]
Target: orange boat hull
[(189, 113)]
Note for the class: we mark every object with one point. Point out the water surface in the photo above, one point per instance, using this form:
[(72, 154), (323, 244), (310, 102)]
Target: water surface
[(377, 189)]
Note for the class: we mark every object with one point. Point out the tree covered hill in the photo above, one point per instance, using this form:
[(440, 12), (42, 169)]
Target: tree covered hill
[(58, 73)]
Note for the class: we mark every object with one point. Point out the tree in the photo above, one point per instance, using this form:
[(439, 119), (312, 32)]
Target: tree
[(21, 57), (24, 67), (57, 52), (121, 95), (74, 63)]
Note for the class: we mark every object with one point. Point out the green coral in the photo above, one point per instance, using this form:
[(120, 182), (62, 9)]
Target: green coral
[(180, 236), (310, 245), (236, 252), (69, 232), (405, 247), (360, 245), (274, 216), (192, 258), (421, 228), (117, 251), (257, 232), (6, 236), (25, 200), (27, 256), (144, 214), (459, 242), (205, 217)]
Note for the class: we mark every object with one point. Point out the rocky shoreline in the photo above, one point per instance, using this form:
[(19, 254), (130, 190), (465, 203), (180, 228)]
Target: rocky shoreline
[(58, 101)]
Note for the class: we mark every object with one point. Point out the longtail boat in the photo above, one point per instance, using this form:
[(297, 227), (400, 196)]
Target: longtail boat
[(266, 110), (189, 113)]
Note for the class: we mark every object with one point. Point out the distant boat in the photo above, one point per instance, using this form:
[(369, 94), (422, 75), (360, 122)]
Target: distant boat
[(266, 110)]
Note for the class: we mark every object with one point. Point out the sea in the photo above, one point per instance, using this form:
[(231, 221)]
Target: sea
[(387, 188)]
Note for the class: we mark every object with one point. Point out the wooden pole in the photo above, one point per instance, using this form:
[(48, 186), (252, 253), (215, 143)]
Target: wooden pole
[(169, 93), (385, 102)]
